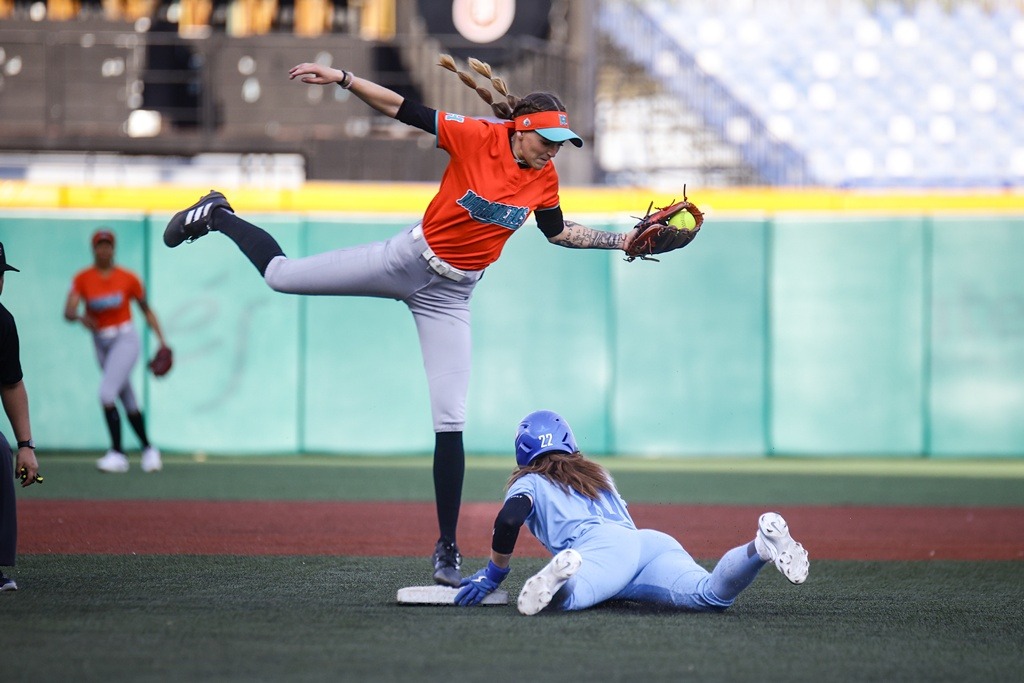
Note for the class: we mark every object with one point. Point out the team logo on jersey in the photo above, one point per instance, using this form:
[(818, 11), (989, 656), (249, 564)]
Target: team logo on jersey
[(104, 303), (458, 118), (483, 211)]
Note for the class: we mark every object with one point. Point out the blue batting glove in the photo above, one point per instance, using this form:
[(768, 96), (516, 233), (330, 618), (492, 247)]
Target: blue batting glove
[(477, 587)]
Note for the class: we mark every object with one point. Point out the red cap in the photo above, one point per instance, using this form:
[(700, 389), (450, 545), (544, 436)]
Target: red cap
[(102, 235)]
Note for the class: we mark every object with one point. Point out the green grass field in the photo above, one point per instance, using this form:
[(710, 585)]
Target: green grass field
[(230, 618), (726, 481)]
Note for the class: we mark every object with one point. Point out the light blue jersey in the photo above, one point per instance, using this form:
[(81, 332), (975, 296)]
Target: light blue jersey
[(623, 562), (559, 517)]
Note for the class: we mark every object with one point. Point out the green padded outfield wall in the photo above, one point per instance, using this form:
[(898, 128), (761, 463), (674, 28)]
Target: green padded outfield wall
[(364, 386), (976, 373), (237, 347), (689, 347), (847, 337), (797, 334)]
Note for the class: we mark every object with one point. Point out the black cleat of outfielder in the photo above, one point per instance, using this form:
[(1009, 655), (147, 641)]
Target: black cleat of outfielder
[(194, 222), (447, 561)]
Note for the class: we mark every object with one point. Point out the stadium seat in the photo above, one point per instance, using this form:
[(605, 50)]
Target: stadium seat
[(841, 73)]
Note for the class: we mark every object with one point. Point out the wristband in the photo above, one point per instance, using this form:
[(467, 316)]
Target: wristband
[(346, 79), (496, 573), (27, 444)]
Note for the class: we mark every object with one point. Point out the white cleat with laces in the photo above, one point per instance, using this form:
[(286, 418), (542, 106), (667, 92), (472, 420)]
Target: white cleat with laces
[(774, 544), (540, 588)]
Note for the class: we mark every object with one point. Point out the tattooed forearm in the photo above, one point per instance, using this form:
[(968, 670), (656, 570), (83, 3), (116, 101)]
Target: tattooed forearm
[(576, 236)]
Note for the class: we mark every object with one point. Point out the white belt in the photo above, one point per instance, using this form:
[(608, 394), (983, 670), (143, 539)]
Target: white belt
[(113, 330), (436, 263)]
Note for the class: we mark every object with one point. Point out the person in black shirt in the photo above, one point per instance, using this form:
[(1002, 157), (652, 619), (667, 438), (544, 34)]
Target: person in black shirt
[(15, 401)]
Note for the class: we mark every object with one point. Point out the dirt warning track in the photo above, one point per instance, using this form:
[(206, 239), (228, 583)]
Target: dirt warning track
[(409, 529)]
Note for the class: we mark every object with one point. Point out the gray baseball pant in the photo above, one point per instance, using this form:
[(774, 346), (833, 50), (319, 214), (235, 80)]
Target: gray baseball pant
[(117, 355), (396, 269)]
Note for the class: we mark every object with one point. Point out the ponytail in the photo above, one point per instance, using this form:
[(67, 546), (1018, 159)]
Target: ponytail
[(507, 106), (502, 108)]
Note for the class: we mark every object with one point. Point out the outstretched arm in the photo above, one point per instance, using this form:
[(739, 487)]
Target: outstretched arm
[(576, 236), (380, 98), (503, 541), (565, 233)]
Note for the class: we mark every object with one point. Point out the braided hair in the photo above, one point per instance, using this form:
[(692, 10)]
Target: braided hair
[(507, 106)]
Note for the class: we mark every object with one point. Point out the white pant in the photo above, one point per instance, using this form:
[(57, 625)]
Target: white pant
[(396, 269)]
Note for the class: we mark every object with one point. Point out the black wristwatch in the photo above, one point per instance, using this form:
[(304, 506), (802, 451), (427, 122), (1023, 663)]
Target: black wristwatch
[(27, 444)]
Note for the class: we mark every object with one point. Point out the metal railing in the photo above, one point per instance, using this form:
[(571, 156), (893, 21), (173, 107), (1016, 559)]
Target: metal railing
[(102, 87)]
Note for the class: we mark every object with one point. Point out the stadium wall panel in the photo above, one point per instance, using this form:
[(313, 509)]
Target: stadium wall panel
[(785, 331)]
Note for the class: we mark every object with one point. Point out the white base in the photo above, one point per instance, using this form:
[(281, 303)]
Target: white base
[(443, 595)]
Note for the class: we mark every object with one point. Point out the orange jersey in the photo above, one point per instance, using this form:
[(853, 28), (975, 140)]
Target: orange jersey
[(484, 195), (108, 296)]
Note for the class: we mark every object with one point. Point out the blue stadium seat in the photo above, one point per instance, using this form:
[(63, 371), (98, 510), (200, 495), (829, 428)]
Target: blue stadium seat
[(929, 62)]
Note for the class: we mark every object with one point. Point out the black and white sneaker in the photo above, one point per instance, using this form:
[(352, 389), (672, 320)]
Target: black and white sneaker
[(7, 583), (194, 222), (447, 561)]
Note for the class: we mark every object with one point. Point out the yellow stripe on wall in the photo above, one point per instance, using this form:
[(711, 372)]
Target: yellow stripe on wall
[(412, 198)]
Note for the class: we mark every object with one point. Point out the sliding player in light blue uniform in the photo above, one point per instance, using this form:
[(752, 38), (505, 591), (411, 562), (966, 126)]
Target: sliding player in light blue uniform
[(571, 505)]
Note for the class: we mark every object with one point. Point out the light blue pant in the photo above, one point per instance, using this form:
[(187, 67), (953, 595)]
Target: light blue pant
[(396, 269), (652, 567)]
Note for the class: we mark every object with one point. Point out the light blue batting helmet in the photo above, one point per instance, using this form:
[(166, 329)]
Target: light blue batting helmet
[(543, 431)]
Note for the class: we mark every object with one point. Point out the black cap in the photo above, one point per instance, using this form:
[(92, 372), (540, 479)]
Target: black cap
[(4, 266)]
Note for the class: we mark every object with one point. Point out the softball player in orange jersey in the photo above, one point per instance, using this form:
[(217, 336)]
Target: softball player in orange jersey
[(498, 174), (100, 298)]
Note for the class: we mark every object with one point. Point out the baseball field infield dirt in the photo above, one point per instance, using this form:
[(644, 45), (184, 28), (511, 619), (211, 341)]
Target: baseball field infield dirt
[(409, 529)]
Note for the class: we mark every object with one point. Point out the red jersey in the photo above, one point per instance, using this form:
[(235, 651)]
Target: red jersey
[(108, 296), (484, 195)]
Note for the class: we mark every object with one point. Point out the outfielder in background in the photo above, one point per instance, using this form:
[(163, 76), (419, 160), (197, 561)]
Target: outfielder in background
[(572, 507), (498, 174), (15, 402), (100, 298)]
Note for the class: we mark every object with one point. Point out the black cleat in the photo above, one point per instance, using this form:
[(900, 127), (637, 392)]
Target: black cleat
[(194, 222), (447, 561)]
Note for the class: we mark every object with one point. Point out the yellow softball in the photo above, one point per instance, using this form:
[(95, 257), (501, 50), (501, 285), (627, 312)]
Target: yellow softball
[(683, 220)]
